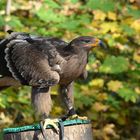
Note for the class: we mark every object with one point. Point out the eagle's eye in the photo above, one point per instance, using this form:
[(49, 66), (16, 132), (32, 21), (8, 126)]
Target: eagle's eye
[(86, 41)]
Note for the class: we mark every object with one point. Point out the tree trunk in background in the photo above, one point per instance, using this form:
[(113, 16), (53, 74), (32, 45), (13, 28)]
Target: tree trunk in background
[(74, 132), (7, 13)]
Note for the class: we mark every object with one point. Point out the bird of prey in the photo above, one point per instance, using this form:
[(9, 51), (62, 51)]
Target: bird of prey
[(43, 62)]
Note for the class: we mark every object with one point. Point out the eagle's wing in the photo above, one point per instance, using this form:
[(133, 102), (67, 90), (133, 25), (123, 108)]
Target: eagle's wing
[(28, 59), (84, 75)]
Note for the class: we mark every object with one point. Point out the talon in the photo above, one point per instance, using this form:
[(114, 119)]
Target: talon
[(51, 122), (75, 116)]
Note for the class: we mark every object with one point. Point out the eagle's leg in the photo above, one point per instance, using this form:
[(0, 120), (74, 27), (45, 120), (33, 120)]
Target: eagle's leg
[(66, 94), (42, 104)]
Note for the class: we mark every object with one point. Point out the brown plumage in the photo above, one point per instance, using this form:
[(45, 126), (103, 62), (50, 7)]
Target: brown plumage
[(44, 62)]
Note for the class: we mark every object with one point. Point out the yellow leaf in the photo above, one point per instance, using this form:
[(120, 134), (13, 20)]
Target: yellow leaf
[(99, 83), (5, 119), (133, 99), (131, 1), (99, 107), (128, 21), (136, 25), (84, 88), (88, 67), (113, 27), (99, 15), (116, 35), (112, 16), (107, 132), (109, 128), (105, 27), (95, 66), (114, 85), (137, 90), (57, 110), (102, 96), (120, 46), (136, 56), (7, 18)]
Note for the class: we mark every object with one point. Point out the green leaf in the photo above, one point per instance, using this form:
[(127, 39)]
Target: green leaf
[(128, 94), (82, 100), (2, 4), (1, 135), (104, 5), (2, 23), (42, 31), (84, 19), (2, 105), (127, 29), (74, 1), (15, 22), (49, 15), (70, 25), (114, 65), (52, 4), (113, 102), (134, 75), (91, 58), (133, 12)]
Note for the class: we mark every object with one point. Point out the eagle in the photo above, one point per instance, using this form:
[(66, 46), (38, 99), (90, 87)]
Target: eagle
[(43, 62)]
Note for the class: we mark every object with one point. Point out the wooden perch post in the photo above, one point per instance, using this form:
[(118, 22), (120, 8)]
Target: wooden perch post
[(77, 130)]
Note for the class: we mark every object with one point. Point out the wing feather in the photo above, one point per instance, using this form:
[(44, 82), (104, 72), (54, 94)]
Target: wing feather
[(29, 62)]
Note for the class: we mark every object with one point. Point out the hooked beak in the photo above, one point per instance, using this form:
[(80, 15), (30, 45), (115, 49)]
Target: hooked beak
[(102, 44), (98, 42)]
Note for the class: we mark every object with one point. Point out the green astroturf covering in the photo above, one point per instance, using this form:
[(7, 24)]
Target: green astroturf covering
[(37, 126)]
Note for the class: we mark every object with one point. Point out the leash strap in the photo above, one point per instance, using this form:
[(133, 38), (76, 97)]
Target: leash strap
[(43, 131), (61, 130)]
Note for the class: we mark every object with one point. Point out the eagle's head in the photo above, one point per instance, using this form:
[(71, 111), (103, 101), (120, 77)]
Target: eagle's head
[(86, 42)]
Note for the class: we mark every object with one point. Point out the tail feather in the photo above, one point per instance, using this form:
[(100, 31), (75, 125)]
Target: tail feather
[(41, 101)]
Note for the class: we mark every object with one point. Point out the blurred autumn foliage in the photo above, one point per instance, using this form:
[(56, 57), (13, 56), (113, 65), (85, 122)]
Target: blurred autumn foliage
[(110, 96)]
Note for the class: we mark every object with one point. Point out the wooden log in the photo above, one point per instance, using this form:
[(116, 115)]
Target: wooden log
[(71, 132)]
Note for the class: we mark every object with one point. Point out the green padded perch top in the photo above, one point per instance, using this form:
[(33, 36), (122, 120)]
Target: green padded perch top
[(37, 126)]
